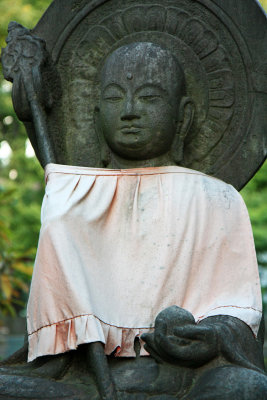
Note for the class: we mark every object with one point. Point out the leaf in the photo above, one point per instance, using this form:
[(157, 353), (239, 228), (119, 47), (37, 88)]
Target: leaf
[(21, 285), (18, 302), (28, 253), (7, 308), (6, 286), (25, 269)]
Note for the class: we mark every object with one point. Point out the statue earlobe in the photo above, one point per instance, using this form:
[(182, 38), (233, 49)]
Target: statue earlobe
[(104, 150), (186, 117)]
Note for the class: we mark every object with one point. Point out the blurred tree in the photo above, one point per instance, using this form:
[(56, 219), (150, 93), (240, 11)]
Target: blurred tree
[(21, 184), (264, 4), (21, 179), (255, 196), (15, 265)]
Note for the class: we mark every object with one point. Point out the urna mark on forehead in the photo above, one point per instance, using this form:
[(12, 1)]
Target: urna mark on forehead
[(143, 63)]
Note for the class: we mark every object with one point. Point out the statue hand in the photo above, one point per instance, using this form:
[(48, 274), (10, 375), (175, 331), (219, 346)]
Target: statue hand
[(191, 345), (185, 343)]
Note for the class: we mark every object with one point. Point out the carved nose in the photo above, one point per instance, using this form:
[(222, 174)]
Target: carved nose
[(129, 117), (128, 112)]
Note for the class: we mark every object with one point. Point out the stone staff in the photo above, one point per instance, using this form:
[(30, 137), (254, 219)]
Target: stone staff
[(23, 60)]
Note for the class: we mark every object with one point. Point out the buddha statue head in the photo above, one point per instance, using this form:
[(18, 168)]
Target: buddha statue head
[(143, 114)]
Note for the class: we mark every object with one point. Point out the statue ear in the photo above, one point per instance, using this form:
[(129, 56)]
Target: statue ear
[(186, 117), (104, 150)]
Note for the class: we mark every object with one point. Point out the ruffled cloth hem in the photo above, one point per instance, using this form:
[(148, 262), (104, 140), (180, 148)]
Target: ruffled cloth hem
[(69, 334)]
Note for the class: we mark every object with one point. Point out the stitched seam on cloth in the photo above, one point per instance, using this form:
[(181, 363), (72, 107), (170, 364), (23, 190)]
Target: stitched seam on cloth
[(123, 327), (244, 308), (126, 173), (78, 170), (123, 172), (88, 315)]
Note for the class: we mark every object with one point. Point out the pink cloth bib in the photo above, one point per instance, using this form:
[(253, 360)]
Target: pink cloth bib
[(116, 247)]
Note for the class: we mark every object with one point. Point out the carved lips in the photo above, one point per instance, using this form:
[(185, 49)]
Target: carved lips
[(131, 129)]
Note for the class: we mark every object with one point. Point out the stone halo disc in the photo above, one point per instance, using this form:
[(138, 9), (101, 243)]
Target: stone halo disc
[(224, 62)]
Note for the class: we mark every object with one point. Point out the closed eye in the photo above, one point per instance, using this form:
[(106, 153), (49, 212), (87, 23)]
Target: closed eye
[(113, 93), (113, 98), (150, 97)]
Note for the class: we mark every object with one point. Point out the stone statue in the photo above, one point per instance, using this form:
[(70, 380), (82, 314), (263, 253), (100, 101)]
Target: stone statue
[(143, 118)]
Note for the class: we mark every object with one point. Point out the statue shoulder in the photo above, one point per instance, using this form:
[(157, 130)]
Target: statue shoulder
[(215, 191)]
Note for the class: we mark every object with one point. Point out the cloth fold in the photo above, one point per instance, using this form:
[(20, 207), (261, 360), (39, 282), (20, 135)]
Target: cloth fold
[(68, 334), (116, 247)]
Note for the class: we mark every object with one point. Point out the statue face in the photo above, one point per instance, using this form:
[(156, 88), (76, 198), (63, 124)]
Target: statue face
[(140, 96)]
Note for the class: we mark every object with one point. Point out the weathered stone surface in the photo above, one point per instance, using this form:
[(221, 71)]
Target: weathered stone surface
[(210, 46), (22, 387), (235, 373), (223, 55)]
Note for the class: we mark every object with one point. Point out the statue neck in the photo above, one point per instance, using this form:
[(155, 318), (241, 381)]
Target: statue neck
[(121, 163)]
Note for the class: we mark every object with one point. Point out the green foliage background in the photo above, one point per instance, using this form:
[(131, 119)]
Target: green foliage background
[(20, 198)]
